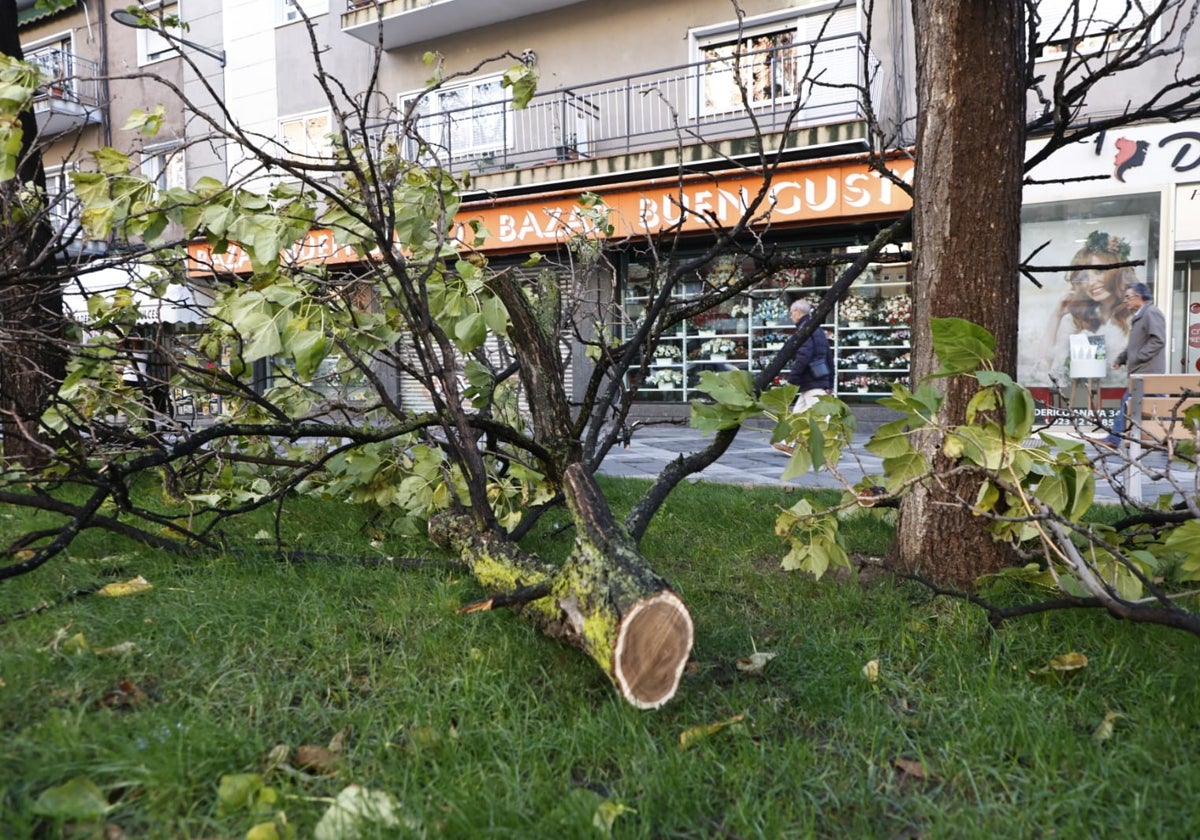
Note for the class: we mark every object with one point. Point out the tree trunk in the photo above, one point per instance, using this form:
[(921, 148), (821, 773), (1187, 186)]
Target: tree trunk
[(605, 600), (32, 361), (967, 214)]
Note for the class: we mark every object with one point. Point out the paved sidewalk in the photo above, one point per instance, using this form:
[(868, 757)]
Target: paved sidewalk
[(750, 460)]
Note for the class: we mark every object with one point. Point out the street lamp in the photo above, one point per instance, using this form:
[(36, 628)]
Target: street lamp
[(128, 18)]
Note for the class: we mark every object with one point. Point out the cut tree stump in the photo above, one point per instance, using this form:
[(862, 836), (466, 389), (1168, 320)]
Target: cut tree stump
[(609, 604)]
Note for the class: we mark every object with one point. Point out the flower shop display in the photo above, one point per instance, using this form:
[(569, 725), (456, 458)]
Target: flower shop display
[(896, 310), (770, 311), (774, 341), (901, 362), (864, 338), (666, 378), (866, 384), (901, 337), (865, 360), (855, 309), (705, 322), (724, 271), (718, 349), (667, 353), (786, 277)]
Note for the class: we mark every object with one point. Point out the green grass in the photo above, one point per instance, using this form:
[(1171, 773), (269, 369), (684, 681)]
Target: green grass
[(479, 726)]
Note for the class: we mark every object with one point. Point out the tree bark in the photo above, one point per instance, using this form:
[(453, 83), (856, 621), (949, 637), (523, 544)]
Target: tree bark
[(32, 361), (967, 214)]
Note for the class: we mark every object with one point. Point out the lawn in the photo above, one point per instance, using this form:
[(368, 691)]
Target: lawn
[(477, 726)]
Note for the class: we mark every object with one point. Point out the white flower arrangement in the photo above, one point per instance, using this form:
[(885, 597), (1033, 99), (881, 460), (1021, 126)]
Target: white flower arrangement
[(717, 347), (671, 378), (740, 310), (901, 336), (855, 308), (865, 358), (723, 272), (902, 361), (896, 310), (667, 351)]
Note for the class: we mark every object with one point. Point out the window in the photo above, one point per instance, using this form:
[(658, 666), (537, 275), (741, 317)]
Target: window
[(288, 11), (151, 45), (1102, 24), (764, 64), (164, 165), (463, 121), (776, 58), (60, 202), (56, 62), (306, 137)]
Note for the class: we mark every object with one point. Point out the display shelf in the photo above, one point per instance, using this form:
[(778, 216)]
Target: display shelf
[(752, 327)]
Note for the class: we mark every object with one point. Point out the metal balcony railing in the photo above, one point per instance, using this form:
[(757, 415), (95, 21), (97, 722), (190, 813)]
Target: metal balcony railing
[(824, 82), (69, 77)]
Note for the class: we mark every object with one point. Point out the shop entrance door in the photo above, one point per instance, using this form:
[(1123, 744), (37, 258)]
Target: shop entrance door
[(1183, 352)]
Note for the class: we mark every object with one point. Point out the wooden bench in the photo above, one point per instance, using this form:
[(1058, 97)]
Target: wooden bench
[(1155, 417)]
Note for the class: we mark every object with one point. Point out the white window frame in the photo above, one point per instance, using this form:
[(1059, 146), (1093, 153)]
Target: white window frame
[(316, 149), (64, 42), (442, 129), (58, 186), (795, 20), (165, 165), (1055, 28), (152, 47)]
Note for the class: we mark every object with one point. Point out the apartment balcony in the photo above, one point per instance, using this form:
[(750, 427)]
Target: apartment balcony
[(802, 95), (70, 97), (412, 21)]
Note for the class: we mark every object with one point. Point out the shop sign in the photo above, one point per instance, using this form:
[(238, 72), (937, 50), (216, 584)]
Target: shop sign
[(799, 195), (796, 195)]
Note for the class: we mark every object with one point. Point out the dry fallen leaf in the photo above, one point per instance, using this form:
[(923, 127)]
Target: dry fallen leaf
[(314, 759), (688, 737), (1104, 730), (755, 662), (912, 768), (1064, 664), (129, 587), (871, 670), (118, 649)]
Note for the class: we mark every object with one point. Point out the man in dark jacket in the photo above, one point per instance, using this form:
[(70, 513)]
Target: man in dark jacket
[(813, 351), (1145, 353)]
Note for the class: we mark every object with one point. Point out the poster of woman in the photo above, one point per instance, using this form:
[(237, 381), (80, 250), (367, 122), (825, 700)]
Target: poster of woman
[(1085, 299)]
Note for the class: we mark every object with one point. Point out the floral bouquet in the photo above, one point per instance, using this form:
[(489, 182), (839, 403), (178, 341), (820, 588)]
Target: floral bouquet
[(855, 308), (896, 310), (866, 383), (666, 378), (865, 359), (724, 271), (704, 321), (901, 336), (740, 310), (717, 347), (667, 351), (770, 310), (791, 277), (901, 361)]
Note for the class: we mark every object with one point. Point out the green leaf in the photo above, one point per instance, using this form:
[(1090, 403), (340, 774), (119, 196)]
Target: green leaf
[(523, 81), (891, 439), (358, 812), (79, 800), (733, 388), (470, 331), (1053, 493), (902, 469), (495, 315), (961, 346), (111, 162)]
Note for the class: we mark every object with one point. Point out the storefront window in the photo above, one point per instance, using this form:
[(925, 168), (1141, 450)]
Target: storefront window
[(870, 330), (1072, 327)]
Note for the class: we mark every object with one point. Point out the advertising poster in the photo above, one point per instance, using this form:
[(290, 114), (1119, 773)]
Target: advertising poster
[(1082, 300)]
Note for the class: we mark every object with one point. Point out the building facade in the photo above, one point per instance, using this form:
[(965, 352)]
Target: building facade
[(662, 111)]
